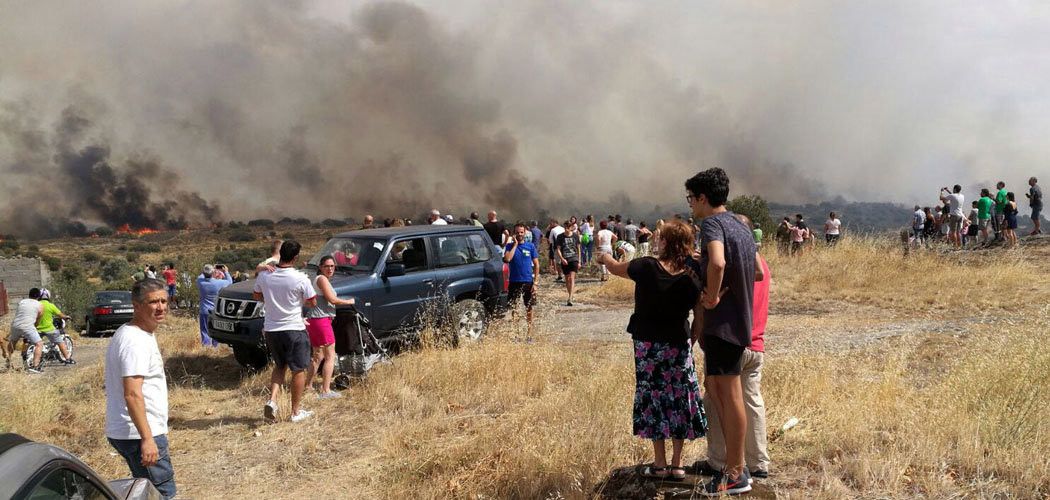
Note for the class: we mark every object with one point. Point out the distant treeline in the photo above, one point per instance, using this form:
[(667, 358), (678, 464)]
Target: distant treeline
[(859, 216)]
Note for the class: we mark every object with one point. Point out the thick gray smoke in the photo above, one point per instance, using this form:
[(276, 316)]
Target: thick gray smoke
[(310, 109)]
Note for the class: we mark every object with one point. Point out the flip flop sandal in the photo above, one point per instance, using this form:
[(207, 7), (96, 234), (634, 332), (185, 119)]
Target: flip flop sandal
[(651, 471), (677, 473)]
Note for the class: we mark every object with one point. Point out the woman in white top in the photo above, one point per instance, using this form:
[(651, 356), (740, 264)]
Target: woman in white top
[(587, 239), (319, 326), (604, 240), (832, 229)]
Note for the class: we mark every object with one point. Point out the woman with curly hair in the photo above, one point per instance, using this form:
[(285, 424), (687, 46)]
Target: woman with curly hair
[(667, 399)]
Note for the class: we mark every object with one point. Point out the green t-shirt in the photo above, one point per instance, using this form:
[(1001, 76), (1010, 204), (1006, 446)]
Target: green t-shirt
[(1000, 201), (757, 232), (984, 208), (46, 323)]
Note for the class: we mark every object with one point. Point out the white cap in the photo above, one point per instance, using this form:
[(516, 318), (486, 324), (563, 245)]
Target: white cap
[(435, 212)]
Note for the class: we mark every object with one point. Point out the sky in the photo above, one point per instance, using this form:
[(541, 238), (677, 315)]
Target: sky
[(307, 108)]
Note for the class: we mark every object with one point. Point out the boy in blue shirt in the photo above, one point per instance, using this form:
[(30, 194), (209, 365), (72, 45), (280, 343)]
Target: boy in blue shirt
[(524, 263)]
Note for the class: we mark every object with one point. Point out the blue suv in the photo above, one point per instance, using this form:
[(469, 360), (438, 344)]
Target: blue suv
[(398, 276)]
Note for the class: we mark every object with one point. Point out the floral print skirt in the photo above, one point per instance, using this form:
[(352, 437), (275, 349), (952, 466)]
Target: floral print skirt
[(667, 399)]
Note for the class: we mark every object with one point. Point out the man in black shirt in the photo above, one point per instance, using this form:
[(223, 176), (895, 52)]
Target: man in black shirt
[(567, 250), (496, 230), (727, 268)]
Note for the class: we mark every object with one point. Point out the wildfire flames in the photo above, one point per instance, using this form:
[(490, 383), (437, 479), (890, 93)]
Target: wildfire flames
[(126, 229)]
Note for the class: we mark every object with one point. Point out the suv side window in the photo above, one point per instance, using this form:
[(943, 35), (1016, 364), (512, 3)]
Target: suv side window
[(452, 250), (412, 253), (480, 247), (65, 483)]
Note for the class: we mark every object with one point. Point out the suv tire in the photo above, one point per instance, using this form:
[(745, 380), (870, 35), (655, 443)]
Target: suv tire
[(468, 322), (252, 359)]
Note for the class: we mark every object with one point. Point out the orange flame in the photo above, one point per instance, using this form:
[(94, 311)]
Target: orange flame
[(126, 229)]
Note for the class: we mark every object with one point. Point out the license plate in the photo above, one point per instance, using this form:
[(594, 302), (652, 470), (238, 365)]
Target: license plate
[(124, 311), (226, 326)]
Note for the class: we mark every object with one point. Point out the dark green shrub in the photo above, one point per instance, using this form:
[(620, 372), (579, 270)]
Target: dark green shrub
[(53, 263), (333, 223), (260, 223), (117, 271), (241, 235)]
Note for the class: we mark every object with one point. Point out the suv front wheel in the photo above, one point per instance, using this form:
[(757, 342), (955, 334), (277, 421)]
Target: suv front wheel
[(252, 359), (469, 320)]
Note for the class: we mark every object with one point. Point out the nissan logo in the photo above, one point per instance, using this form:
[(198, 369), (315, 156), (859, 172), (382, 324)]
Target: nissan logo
[(231, 308)]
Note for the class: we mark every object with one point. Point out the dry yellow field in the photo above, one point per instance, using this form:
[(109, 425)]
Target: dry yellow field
[(918, 376)]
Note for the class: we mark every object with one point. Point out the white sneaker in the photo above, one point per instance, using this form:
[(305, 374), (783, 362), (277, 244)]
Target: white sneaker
[(329, 395), (270, 410), (302, 415)]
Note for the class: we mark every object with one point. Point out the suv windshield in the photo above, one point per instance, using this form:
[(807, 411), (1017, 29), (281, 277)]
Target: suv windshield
[(351, 253)]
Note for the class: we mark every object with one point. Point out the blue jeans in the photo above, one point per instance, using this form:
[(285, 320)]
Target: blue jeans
[(205, 339), (588, 252), (161, 474)]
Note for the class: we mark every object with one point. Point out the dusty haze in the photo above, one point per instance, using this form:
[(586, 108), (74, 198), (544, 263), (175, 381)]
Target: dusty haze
[(183, 113)]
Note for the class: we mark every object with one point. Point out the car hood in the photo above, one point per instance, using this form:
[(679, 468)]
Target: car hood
[(340, 282)]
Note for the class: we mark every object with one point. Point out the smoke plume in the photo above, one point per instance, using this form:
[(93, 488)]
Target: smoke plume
[(159, 114)]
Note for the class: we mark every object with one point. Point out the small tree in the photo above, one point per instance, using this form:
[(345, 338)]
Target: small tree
[(756, 208)]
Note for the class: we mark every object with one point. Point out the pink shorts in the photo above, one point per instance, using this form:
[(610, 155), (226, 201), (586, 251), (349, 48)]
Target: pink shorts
[(320, 330)]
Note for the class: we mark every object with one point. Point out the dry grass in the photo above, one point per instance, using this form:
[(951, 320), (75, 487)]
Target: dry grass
[(928, 412), (875, 272)]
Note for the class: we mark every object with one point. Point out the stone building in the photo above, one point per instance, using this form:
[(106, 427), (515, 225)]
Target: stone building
[(19, 274)]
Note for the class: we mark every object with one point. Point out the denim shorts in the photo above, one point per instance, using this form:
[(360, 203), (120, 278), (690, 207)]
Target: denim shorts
[(161, 474), (1036, 212)]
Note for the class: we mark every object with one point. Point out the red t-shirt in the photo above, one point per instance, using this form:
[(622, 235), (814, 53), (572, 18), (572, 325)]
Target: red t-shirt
[(760, 309), (169, 276)]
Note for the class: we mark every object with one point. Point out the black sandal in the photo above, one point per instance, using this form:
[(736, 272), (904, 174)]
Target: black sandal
[(651, 471), (677, 473)]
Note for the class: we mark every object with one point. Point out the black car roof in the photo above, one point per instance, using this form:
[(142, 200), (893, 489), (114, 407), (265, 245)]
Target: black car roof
[(421, 230)]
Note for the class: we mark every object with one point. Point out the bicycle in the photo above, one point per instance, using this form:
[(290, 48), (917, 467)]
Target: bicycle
[(50, 354)]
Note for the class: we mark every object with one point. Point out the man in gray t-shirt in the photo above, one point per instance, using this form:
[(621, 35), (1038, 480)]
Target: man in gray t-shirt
[(1035, 200), (23, 327), (631, 232), (723, 321)]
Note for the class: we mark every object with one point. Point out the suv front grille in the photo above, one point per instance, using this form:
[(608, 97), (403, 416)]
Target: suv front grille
[(239, 309)]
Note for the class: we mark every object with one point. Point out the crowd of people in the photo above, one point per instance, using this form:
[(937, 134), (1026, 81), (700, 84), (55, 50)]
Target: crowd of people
[(696, 285), (989, 219), (796, 237)]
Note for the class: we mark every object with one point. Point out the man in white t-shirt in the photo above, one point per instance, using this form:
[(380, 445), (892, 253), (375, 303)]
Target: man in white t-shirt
[(955, 216), (604, 240), (23, 327), (285, 291), (832, 229), (435, 218), (137, 391), (552, 236)]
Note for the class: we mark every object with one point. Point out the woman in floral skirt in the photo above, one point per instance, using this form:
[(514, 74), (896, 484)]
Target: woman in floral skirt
[(667, 399)]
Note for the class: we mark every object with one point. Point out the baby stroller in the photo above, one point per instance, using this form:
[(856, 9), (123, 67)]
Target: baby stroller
[(356, 347)]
